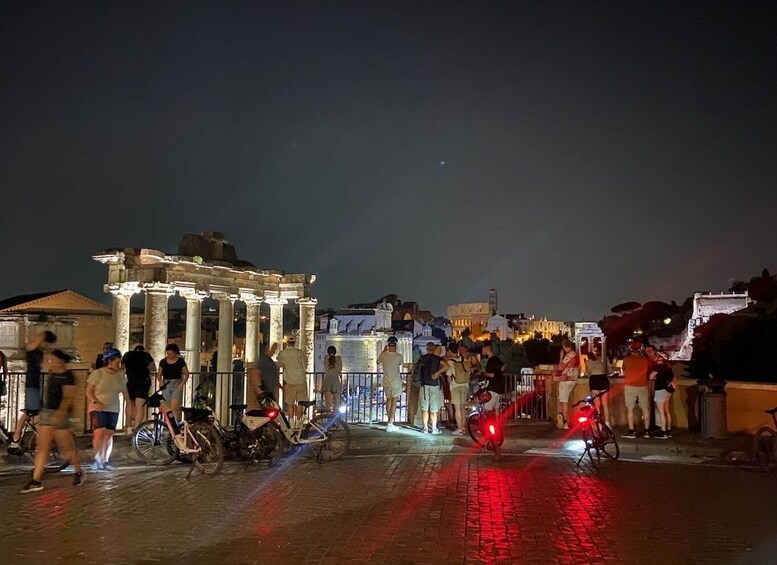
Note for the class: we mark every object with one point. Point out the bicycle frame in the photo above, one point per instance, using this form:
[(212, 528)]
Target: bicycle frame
[(291, 434), (183, 446)]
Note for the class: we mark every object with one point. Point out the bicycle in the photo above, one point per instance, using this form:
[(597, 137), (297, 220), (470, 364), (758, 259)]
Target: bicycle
[(483, 424), (766, 444), (598, 437), (324, 433), (161, 439), (259, 445), (29, 441)]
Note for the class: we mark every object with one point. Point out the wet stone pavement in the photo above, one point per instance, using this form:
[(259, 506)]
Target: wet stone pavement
[(436, 507)]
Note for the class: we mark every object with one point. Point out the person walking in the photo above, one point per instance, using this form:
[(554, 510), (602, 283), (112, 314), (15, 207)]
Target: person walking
[(391, 361), (295, 384), (138, 366), (663, 377), (104, 386), (432, 367), (458, 376), (35, 351), (635, 377), (173, 374), (569, 371), (54, 422), (598, 382), (330, 386)]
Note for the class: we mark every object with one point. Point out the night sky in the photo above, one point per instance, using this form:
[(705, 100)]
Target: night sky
[(571, 155)]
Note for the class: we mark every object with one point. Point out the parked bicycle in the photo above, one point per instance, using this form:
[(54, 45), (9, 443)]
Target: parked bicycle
[(598, 437), (159, 440), (484, 424), (766, 444), (248, 438), (325, 435), (28, 444)]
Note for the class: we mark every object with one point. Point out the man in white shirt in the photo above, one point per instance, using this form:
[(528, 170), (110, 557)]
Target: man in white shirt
[(295, 385), (391, 361)]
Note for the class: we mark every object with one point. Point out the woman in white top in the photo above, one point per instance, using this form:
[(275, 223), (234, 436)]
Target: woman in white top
[(330, 387)]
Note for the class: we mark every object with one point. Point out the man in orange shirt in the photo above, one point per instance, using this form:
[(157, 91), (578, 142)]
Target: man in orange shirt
[(635, 377)]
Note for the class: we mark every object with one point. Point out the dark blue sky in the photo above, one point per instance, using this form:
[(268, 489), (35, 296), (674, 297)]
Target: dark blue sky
[(593, 152)]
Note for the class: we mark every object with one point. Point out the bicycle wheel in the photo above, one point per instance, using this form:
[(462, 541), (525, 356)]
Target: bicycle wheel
[(264, 445), (153, 443), (338, 437), (210, 456), (765, 449), (609, 445), (593, 453), (54, 463), (474, 428)]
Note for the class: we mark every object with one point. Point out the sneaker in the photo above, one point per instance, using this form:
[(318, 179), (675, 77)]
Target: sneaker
[(96, 465), (459, 433), (108, 467), (391, 428), (436, 432), (424, 430), (630, 435), (646, 435), (559, 421), (565, 426), (78, 478), (32, 486), (14, 445), (662, 435)]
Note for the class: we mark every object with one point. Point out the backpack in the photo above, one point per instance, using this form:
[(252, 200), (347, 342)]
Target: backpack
[(417, 381)]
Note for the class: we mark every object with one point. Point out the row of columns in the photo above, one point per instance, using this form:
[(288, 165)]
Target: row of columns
[(156, 320)]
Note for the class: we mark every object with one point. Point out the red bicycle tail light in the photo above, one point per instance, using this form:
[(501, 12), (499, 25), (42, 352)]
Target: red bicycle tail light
[(582, 419), (211, 419), (492, 429), (272, 414)]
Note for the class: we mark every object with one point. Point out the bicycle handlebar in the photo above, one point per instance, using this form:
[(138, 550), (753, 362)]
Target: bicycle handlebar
[(589, 399)]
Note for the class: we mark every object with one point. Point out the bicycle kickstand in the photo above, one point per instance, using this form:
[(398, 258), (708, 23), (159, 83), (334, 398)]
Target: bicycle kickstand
[(581, 457), (191, 469)]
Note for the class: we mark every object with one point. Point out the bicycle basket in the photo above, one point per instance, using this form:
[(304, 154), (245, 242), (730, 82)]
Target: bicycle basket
[(196, 414)]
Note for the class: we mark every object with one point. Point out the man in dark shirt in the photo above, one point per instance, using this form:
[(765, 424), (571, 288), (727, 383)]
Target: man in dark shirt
[(493, 372), (268, 375), (34, 351), (430, 396), (138, 365)]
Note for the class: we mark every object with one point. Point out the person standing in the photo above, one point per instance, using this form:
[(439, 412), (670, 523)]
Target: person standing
[(494, 373), (635, 377), (391, 362), (330, 386), (103, 389), (269, 376), (173, 374), (54, 422), (34, 352), (458, 376), (295, 384), (138, 365), (569, 371), (432, 367), (663, 377), (99, 362), (598, 382)]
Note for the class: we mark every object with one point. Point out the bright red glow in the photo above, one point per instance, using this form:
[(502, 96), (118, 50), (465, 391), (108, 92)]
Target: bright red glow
[(492, 429), (272, 414), (582, 419)]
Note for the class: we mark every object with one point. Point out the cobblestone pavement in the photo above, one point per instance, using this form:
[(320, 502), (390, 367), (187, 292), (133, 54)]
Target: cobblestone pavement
[(437, 507)]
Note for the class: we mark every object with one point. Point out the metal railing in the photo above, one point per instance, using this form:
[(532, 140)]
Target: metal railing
[(527, 396)]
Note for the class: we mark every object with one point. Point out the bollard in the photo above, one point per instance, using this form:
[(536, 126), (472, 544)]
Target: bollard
[(713, 415)]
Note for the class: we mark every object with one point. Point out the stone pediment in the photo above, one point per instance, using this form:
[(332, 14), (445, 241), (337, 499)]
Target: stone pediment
[(62, 302)]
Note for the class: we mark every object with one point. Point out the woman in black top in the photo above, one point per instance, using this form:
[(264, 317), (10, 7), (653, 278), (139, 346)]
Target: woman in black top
[(174, 373), (664, 379)]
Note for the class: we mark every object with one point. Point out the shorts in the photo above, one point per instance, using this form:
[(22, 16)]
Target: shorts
[(459, 393), (430, 398), (446, 388), (293, 393), (636, 395), (392, 387), (32, 399), (662, 396), (138, 389), (598, 382), (106, 420), (331, 384), (565, 388), (46, 418), (172, 392)]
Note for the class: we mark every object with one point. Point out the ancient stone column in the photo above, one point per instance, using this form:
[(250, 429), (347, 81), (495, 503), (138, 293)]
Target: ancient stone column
[(193, 330), (224, 358), (155, 331), (252, 329), (122, 295), (307, 328), (276, 321)]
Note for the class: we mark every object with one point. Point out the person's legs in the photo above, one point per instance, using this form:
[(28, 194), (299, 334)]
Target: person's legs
[(97, 441), (20, 423), (605, 405), (644, 406), (67, 448), (564, 410), (328, 401), (45, 436), (391, 407), (461, 420), (630, 400), (139, 412), (667, 415), (175, 406), (107, 446)]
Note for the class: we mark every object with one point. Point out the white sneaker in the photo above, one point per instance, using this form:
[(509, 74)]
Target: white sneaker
[(565, 427), (436, 432), (391, 428), (424, 430), (459, 433), (559, 421)]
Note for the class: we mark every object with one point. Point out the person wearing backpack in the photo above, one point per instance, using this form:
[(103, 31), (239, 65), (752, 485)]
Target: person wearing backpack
[(458, 377)]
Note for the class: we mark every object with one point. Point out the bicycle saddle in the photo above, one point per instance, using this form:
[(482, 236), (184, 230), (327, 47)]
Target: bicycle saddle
[(306, 403), (30, 412), (238, 406), (772, 411)]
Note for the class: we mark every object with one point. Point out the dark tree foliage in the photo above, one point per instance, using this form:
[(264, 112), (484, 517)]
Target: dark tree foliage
[(540, 351)]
